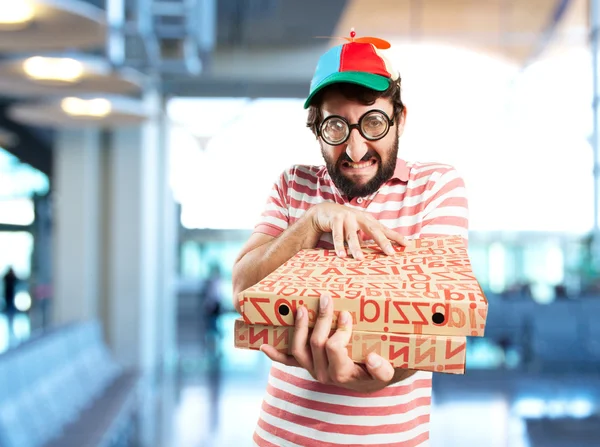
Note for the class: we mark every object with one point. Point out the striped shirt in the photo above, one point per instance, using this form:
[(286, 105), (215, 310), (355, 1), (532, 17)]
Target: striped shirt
[(421, 199)]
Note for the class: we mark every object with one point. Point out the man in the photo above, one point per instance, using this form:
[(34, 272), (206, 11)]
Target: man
[(318, 396), (10, 281), (10, 286)]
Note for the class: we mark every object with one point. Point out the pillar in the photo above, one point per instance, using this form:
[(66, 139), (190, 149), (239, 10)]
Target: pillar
[(76, 225), (115, 238)]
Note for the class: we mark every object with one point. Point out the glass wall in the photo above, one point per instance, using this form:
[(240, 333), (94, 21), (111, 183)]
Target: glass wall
[(20, 185)]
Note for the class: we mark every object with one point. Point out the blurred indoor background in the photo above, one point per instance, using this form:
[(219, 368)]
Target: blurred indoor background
[(139, 140)]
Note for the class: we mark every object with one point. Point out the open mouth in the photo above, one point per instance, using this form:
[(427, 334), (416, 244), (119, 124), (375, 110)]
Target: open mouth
[(359, 165)]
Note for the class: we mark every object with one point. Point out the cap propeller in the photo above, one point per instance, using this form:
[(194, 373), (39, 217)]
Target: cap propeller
[(380, 44)]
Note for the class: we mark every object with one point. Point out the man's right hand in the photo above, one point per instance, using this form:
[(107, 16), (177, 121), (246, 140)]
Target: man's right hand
[(345, 224), (262, 254)]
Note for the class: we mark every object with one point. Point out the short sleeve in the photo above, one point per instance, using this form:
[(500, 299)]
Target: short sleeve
[(446, 212), (275, 216)]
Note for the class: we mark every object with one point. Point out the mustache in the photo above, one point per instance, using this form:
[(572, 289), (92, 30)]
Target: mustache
[(344, 157)]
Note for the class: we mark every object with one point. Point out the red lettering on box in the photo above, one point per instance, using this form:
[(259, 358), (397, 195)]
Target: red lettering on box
[(281, 337), (256, 302), (367, 348), (453, 352), (291, 306), (363, 304), (457, 318), (442, 308), (428, 356), (453, 296), (465, 275), (402, 351), (398, 306), (443, 275), (423, 320), (254, 336)]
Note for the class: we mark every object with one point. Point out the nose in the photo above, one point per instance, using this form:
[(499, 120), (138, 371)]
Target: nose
[(357, 146)]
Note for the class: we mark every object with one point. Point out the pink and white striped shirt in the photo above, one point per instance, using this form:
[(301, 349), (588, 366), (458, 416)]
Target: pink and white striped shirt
[(421, 199)]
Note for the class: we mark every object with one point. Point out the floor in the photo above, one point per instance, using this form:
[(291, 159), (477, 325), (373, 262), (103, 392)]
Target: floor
[(486, 407), (480, 409)]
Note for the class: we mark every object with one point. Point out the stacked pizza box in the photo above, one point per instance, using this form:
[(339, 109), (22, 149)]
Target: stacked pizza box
[(415, 308)]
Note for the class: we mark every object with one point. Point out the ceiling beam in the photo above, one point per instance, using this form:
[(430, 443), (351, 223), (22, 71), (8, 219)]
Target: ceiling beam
[(12, 228), (235, 89)]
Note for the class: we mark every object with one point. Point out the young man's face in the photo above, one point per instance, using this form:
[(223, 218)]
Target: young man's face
[(358, 167)]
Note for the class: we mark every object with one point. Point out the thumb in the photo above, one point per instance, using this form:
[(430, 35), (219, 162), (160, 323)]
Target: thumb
[(379, 368)]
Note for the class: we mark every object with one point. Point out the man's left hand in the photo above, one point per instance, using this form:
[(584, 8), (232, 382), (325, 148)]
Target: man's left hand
[(326, 357)]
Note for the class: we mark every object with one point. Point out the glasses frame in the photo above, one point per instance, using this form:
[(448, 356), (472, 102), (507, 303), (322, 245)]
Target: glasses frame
[(390, 122)]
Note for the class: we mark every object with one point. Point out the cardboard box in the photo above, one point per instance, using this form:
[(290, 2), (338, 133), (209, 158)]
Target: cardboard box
[(427, 287), (444, 354)]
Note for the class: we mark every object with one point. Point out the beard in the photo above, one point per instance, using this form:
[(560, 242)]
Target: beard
[(350, 188)]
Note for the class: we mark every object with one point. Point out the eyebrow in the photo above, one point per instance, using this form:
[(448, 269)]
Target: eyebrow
[(326, 114)]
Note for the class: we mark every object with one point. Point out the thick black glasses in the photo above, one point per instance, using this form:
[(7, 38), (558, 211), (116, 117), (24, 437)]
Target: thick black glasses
[(373, 126)]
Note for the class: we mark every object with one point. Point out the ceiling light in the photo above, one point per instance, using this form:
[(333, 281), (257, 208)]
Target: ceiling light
[(52, 69), (91, 108), (15, 14)]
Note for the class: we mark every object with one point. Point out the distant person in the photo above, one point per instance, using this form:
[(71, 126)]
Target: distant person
[(211, 306), (10, 287), (561, 292), (10, 281)]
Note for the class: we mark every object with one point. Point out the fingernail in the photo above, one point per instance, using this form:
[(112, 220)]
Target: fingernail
[(341, 253), (389, 250), (344, 318), (324, 301), (374, 361), (299, 313)]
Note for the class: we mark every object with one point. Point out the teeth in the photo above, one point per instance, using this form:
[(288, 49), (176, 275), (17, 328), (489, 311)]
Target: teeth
[(359, 165)]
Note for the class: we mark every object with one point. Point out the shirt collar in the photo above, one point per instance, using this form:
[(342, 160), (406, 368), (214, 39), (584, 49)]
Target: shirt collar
[(402, 171)]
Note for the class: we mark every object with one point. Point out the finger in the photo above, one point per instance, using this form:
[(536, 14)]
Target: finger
[(381, 240), (351, 231), (300, 348), (379, 368), (337, 233), (341, 365), (364, 238), (371, 230), (278, 356), (319, 337), (395, 236)]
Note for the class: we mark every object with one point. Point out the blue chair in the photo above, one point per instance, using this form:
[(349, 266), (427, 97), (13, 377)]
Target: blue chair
[(64, 389)]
